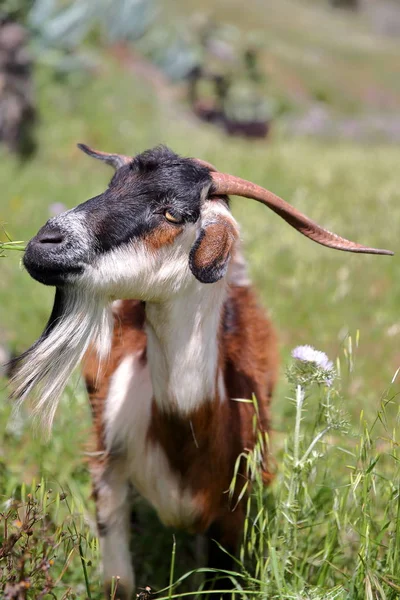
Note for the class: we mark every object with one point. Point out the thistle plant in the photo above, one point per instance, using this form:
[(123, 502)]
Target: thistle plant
[(319, 531), (310, 367)]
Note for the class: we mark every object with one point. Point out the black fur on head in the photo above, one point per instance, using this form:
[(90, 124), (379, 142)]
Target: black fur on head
[(141, 192), (134, 204)]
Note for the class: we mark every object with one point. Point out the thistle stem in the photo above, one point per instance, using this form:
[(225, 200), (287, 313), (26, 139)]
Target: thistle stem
[(300, 395)]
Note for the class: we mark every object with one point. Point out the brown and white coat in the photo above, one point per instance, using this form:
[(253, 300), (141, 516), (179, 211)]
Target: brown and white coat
[(152, 295)]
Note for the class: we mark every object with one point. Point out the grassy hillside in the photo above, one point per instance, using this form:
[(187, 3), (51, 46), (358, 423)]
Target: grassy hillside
[(314, 295), (310, 51)]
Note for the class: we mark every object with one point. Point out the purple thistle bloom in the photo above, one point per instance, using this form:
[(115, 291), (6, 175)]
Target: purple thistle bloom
[(310, 354)]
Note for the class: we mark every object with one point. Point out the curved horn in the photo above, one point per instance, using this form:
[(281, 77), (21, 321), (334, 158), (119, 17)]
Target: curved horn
[(206, 164), (115, 160), (230, 185)]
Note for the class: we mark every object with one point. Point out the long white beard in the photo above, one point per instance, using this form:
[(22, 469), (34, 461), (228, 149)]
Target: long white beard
[(78, 319)]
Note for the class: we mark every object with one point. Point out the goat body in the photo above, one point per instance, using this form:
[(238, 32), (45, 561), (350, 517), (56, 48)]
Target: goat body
[(152, 293), (181, 460)]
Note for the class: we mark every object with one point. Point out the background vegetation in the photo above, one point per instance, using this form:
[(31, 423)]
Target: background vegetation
[(338, 536)]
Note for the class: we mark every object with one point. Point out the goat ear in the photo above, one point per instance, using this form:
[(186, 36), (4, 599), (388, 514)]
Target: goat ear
[(209, 255), (115, 160)]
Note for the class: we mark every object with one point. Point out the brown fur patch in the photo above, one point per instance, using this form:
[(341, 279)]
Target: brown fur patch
[(128, 336), (203, 447), (163, 235), (215, 244), (251, 357), (198, 449)]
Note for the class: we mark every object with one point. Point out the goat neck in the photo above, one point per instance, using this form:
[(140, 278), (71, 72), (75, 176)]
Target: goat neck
[(183, 347)]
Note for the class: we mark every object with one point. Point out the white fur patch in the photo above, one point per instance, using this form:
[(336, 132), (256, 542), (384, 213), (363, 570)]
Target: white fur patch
[(127, 418), (75, 223), (114, 509), (237, 274), (183, 347), (45, 370), (212, 209), (136, 271), (182, 331)]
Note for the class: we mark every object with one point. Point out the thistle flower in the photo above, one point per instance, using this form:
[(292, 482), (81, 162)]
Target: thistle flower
[(310, 366), (309, 354)]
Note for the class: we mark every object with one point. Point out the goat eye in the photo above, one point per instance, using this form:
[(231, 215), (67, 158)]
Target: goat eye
[(173, 218)]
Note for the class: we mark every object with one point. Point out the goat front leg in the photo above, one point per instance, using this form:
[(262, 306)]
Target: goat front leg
[(113, 509)]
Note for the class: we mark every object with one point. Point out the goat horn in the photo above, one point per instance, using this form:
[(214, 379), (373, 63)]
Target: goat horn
[(206, 164), (115, 160), (224, 184)]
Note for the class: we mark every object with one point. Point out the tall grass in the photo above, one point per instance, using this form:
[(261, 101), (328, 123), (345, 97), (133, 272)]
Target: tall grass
[(329, 525)]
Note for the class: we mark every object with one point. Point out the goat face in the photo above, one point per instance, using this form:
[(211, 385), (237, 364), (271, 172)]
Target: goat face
[(145, 237)]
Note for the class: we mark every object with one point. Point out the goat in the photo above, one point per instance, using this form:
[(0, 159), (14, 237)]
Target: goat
[(152, 294)]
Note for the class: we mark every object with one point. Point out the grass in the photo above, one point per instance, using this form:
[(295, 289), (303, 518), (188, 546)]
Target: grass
[(331, 530), (328, 527)]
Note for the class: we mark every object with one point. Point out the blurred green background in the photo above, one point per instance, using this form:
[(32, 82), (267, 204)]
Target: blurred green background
[(327, 85)]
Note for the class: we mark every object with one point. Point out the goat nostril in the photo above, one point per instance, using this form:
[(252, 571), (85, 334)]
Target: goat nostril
[(51, 236)]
